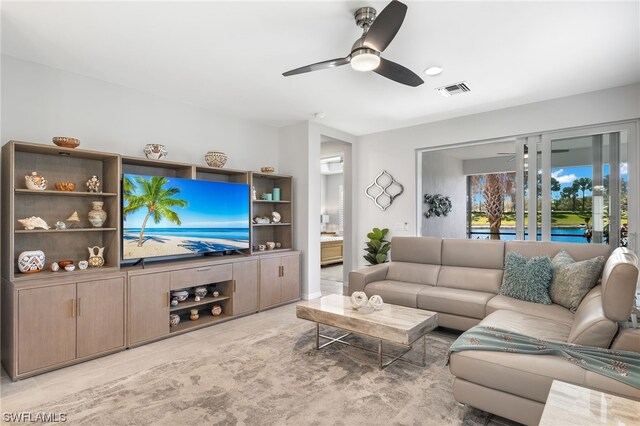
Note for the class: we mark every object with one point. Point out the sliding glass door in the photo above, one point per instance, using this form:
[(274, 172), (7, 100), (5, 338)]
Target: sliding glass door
[(575, 186)]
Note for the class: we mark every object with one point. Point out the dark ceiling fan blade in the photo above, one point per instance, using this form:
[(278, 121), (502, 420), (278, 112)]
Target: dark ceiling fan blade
[(318, 66), (385, 26), (397, 72)]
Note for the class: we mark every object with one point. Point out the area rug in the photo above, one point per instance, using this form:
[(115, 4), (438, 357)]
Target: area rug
[(277, 378)]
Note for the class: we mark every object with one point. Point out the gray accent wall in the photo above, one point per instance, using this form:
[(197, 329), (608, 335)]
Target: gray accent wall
[(444, 174)]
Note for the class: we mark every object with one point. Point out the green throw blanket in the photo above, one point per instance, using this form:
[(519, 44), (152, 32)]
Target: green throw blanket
[(623, 366)]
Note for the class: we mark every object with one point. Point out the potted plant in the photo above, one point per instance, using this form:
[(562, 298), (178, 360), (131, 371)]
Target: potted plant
[(377, 247)]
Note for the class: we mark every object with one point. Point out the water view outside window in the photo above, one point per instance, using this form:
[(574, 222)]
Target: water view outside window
[(491, 208)]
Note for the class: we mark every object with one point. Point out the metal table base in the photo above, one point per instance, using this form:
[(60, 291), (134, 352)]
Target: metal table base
[(383, 364)]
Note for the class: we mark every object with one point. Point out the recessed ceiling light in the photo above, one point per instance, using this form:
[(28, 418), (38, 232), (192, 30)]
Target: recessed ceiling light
[(433, 71), (319, 115)]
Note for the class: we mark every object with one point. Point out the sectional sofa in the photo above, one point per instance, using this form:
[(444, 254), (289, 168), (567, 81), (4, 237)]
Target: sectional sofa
[(461, 279)]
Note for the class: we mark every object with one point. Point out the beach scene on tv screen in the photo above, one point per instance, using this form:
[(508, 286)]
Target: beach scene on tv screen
[(165, 216)]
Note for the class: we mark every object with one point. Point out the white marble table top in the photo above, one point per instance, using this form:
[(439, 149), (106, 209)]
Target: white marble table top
[(393, 323), (569, 404)]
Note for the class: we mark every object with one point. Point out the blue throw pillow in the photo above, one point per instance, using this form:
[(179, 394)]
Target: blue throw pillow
[(527, 279)]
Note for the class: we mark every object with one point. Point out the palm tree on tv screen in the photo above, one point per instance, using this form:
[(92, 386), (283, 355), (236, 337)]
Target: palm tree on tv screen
[(155, 197)]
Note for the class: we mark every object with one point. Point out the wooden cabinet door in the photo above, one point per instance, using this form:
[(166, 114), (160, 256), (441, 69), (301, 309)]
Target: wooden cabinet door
[(245, 290), (46, 326), (100, 313), (270, 282), (149, 306), (290, 277)]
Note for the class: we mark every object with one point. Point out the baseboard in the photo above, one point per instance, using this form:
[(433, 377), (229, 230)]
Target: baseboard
[(311, 296)]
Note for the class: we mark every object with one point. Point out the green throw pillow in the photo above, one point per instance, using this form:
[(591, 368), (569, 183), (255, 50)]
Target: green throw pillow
[(527, 279), (572, 280)]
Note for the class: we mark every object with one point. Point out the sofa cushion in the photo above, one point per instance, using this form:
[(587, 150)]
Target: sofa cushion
[(590, 326), (417, 249), (527, 279), (395, 292), (546, 248), (418, 273), (529, 325), (473, 253), (478, 279), (572, 280), (552, 312), (454, 301)]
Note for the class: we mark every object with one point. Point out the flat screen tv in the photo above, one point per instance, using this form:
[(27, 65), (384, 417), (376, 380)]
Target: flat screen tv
[(166, 216)]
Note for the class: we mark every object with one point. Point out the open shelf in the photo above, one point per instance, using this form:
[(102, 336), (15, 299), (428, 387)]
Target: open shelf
[(47, 274), (271, 201), (272, 224), (64, 193), (61, 231), (205, 318), (188, 304)]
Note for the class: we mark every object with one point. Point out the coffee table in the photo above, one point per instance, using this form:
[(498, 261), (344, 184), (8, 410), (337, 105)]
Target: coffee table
[(398, 325)]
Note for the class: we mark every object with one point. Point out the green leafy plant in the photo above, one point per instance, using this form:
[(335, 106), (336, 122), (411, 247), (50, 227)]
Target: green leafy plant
[(377, 247)]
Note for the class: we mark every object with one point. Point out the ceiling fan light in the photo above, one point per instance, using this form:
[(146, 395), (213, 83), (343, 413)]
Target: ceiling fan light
[(365, 60)]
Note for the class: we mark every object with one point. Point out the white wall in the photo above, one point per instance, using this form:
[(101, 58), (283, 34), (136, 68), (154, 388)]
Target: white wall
[(395, 150), (39, 102), (443, 174)]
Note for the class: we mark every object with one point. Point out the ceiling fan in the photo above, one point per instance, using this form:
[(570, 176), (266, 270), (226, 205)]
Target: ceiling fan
[(365, 53)]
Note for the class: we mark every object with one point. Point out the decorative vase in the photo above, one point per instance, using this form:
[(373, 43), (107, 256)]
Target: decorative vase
[(155, 151), (216, 310), (174, 319), (31, 261), (35, 181), (66, 142), (97, 216), (96, 257), (93, 184), (194, 315), (216, 159)]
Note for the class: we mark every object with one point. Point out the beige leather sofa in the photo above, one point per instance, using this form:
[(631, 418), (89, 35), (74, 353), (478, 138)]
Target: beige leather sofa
[(460, 280)]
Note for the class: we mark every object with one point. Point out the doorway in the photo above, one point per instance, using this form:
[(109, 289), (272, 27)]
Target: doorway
[(332, 217)]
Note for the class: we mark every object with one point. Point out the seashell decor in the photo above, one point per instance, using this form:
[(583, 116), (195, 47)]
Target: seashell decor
[(33, 222), (216, 159)]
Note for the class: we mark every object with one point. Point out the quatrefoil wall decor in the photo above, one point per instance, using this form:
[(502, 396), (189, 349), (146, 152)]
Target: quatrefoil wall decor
[(388, 189)]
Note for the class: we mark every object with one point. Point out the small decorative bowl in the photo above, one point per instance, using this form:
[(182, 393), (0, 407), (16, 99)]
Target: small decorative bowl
[(65, 186), (64, 263), (66, 142), (201, 291), (267, 169), (180, 295), (70, 268), (216, 159)]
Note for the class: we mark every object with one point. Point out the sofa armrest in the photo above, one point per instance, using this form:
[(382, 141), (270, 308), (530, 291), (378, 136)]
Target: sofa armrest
[(359, 278)]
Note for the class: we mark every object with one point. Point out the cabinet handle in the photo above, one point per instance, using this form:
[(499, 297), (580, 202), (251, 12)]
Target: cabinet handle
[(73, 308), (234, 286), (79, 307), (168, 299), (203, 269)]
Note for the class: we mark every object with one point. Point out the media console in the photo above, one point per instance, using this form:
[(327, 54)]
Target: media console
[(54, 319)]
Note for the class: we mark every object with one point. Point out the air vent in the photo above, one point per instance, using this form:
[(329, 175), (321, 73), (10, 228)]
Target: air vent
[(453, 89)]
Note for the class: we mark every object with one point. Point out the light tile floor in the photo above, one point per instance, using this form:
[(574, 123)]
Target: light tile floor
[(331, 279)]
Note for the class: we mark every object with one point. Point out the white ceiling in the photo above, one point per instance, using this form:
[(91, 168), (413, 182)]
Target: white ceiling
[(229, 56)]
